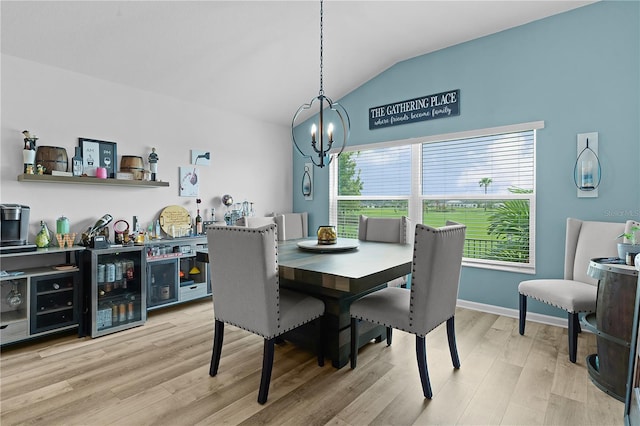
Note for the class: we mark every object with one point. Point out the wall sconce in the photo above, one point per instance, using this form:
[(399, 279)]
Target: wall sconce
[(587, 171)]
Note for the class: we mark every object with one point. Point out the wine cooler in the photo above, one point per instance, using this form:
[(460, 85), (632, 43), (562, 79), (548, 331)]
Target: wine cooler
[(117, 277), (53, 301)]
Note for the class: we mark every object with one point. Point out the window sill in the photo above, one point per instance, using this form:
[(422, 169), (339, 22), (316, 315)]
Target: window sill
[(506, 267)]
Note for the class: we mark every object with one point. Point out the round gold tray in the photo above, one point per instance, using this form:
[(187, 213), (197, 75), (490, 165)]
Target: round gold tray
[(175, 220)]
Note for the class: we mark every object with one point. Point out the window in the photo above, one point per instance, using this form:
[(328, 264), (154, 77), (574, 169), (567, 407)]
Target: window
[(484, 179)]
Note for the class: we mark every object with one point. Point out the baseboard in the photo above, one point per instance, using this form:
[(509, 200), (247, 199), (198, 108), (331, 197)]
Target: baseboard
[(513, 313)]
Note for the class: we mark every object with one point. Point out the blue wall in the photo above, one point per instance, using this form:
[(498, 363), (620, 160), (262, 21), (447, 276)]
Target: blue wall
[(578, 72)]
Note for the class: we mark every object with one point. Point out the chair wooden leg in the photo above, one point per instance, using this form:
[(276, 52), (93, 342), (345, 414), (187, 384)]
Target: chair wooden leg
[(218, 336), (421, 354), (354, 342), (267, 366), (573, 336), (320, 342), (389, 335), (523, 313), (453, 348)]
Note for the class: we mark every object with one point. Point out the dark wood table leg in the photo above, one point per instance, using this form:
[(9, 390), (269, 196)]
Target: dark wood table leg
[(337, 327)]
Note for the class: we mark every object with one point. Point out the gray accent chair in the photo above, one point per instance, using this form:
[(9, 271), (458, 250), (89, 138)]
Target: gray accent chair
[(254, 221), (437, 262), (246, 293), (385, 230), (577, 291), (292, 226)]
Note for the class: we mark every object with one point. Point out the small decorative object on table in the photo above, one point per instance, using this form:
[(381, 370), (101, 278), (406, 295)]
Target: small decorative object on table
[(76, 162), (153, 164), (121, 232), (66, 239), (62, 225), (29, 152), (327, 234), (44, 237), (630, 247), (227, 200)]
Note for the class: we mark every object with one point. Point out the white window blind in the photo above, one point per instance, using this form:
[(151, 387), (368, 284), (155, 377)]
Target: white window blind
[(486, 181)]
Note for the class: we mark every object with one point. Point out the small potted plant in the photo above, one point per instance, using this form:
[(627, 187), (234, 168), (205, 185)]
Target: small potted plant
[(631, 247)]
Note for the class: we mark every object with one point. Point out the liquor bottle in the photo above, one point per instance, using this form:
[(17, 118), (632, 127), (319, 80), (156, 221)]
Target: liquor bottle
[(122, 312), (114, 314), (198, 217), (198, 223), (131, 308), (76, 162)]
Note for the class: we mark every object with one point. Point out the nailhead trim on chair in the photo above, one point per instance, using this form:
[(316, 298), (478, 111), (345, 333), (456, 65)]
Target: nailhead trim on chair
[(413, 274), (552, 304), (399, 328), (262, 230), (262, 335)]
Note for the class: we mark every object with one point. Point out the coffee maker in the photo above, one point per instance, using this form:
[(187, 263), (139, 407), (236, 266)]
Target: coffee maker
[(14, 228)]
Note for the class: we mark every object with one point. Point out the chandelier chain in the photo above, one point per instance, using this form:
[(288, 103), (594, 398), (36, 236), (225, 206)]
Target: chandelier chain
[(321, 49), (321, 151)]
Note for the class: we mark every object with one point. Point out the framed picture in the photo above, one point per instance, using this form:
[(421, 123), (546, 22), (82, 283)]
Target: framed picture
[(96, 154), (189, 184)]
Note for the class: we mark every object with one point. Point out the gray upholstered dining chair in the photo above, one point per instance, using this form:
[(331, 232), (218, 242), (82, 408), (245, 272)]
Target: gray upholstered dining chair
[(437, 262), (577, 291), (254, 221), (292, 226), (246, 293), (385, 230)]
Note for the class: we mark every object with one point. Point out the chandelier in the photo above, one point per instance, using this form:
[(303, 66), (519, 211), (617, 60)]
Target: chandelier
[(322, 138)]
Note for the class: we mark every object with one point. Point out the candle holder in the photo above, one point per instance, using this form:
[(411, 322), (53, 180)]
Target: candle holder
[(587, 171)]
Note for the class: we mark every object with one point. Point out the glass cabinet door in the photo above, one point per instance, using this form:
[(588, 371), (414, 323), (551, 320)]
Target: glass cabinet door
[(163, 282), (118, 293), (14, 301), (53, 302)]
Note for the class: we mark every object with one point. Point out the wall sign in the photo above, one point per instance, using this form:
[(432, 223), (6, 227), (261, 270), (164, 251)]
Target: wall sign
[(439, 105), (96, 154)]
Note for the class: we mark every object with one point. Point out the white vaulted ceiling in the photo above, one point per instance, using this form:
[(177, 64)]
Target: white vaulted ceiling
[(258, 58)]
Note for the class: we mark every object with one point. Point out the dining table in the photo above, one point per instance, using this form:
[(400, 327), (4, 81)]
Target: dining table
[(338, 275)]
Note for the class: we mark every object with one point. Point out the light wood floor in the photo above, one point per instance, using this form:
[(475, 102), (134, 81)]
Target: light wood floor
[(157, 374)]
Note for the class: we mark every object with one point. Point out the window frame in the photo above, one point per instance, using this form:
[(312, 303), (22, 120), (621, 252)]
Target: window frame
[(416, 199)]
